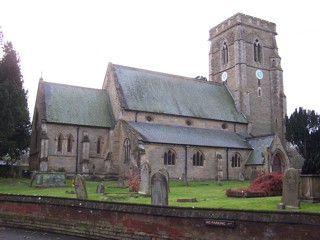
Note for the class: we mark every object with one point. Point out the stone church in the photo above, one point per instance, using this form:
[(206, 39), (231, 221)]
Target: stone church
[(197, 128)]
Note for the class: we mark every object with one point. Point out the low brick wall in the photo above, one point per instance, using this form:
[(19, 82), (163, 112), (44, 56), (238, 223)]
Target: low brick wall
[(106, 220)]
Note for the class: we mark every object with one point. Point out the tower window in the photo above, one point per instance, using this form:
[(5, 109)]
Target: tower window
[(225, 53), (169, 158), (198, 159), (257, 51), (259, 92)]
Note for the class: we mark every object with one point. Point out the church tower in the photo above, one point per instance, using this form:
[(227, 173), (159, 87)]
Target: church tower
[(244, 56)]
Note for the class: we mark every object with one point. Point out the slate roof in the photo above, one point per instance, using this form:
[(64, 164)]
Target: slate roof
[(76, 105), (157, 133), (150, 91), (258, 144)]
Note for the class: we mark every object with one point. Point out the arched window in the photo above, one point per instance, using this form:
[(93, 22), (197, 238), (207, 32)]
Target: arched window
[(59, 144), (69, 143), (259, 92), (99, 142), (225, 53), (169, 158), (127, 150), (257, 51), (198, 159), (236, 160)]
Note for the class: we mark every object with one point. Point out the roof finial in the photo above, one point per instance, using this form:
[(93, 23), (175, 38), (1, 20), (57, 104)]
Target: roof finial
[(41, 79)]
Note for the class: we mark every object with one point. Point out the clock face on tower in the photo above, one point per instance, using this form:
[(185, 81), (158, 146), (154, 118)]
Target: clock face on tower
[(224, 76), (259, 74)]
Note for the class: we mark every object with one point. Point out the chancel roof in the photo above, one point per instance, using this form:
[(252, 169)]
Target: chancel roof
[(158, 133), (76, 105), (150, 91)]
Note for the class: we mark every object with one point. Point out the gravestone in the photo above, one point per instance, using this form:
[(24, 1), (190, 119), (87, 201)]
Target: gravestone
[(100, 188), (254, 175), (145, 179), (166, 173), (80, 187), (48, 179), (290, 189), (241, 176), (159, 189), (43, 165)]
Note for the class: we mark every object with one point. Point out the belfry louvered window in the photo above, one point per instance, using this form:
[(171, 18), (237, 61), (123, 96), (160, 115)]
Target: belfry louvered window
[(225, 53), (257, 51)]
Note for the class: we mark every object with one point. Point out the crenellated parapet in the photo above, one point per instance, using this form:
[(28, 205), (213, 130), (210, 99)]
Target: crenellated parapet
[(243, 19)]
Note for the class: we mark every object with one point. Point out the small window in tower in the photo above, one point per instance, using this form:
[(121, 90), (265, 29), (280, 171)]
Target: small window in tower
[(225, 53), (259, 92)]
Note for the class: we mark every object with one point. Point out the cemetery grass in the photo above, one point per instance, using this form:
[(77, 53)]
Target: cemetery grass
[(208, 194)]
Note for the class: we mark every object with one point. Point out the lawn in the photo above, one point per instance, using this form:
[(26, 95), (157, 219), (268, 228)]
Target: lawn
[(208, 194)]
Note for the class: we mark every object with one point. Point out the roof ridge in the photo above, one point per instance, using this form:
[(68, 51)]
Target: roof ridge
[(168, 74), (73, 86)]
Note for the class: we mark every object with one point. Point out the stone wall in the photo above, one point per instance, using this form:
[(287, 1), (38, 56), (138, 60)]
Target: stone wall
[(103, 220)]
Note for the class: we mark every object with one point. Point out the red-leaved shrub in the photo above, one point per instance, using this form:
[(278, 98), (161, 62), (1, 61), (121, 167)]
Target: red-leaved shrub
[(269, 184), (134, 182)]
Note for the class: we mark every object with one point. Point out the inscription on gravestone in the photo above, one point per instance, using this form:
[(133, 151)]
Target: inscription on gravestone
[(80, 187), (290, 189), (159, 189)]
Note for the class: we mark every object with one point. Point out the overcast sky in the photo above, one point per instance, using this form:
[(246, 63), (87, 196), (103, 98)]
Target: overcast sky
[(72, 41)]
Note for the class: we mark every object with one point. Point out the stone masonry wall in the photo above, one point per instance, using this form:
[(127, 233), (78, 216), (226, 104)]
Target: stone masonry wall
[(106, 220)]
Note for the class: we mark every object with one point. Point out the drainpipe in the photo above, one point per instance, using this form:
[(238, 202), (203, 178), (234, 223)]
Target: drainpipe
[(185, 180), (136, 117), (227, 153), (77, 152)]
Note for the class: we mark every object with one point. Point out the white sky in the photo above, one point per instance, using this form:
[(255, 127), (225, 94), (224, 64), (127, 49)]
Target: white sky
[(72, 41)]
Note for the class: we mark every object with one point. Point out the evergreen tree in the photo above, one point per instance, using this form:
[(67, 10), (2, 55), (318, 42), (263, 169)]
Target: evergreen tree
[(303, 131), (14, 113)]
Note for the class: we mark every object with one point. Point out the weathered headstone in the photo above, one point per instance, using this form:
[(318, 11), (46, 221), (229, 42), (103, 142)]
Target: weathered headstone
[(290, 189), (254, 175), (100, 188), (241, 176), (166, 173), (85, 167), (145, 179), (43, 165), (159, 189), (80, 187), (48, 179)]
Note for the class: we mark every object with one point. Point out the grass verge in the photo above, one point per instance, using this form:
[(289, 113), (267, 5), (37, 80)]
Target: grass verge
[(208, 194)]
